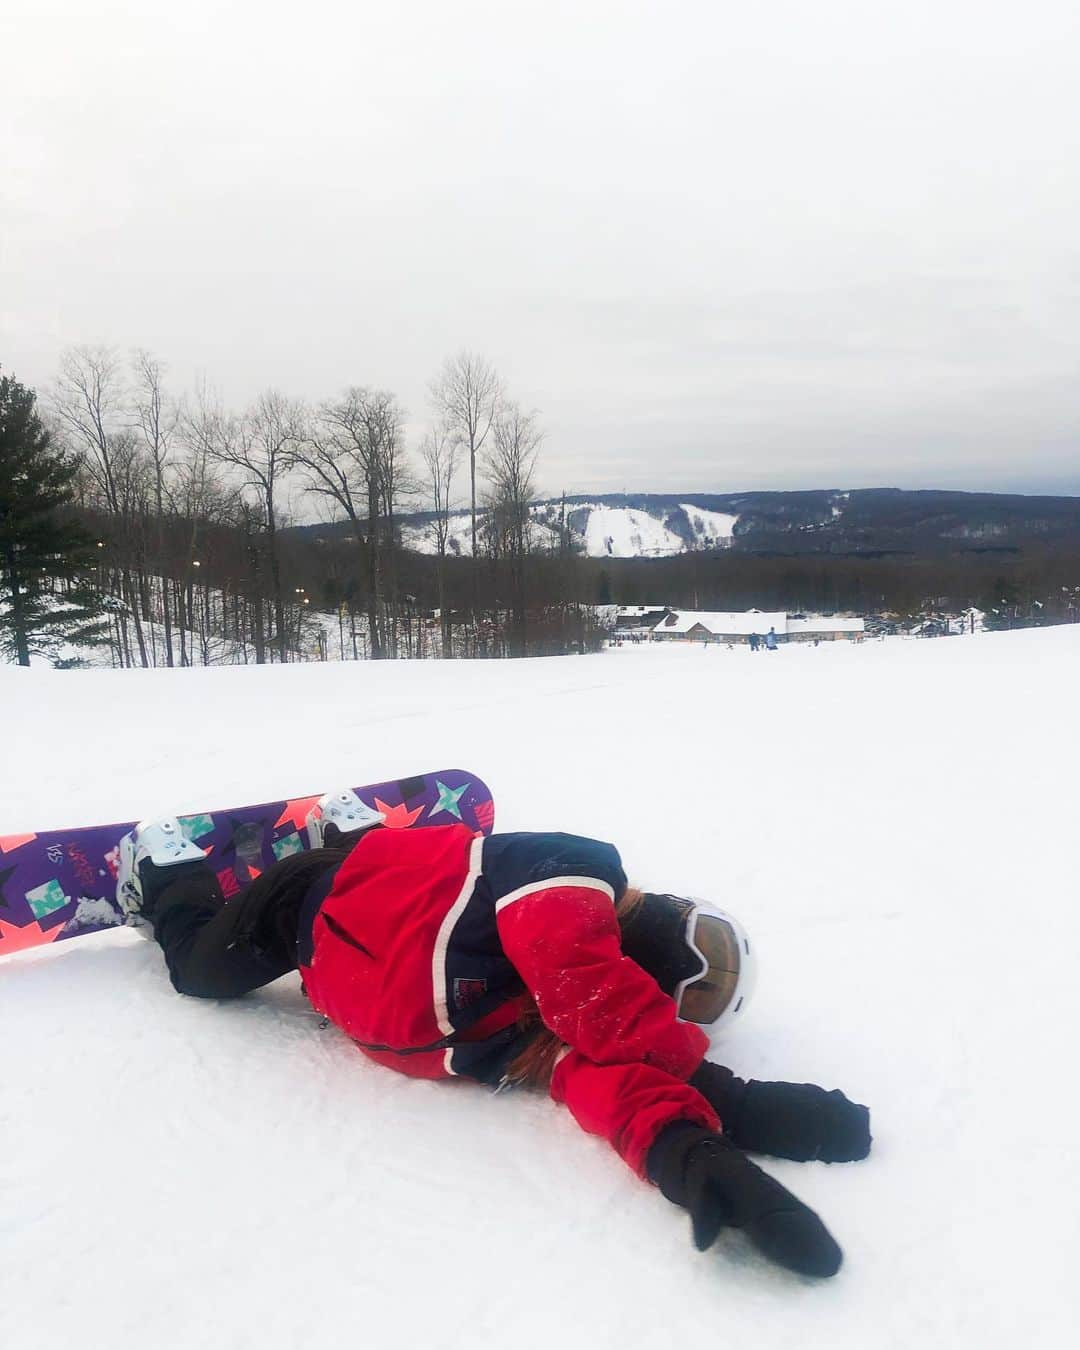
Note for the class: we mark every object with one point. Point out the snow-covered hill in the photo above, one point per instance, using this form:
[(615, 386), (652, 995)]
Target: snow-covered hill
[(894, 822), (598, 530), (623, 532)]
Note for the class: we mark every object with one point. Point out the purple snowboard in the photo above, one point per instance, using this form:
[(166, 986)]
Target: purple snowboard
[(62, 883)]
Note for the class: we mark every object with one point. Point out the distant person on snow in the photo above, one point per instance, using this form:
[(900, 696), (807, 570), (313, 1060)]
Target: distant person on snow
[(770, 640), (753, 642), (519, 959)]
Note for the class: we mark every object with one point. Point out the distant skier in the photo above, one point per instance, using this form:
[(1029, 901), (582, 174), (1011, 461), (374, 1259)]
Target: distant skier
[(770, 640), (753, 642), (516, 959)]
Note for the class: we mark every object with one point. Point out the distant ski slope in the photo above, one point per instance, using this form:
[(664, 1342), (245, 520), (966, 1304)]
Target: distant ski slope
[(599, 530)]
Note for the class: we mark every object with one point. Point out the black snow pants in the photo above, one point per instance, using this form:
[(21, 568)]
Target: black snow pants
[(222, 949)]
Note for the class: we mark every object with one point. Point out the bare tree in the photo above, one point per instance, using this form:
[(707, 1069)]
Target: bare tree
[(202, 500), (132, 478), (350, 455), (395, 483), (156, 417), (261, 445), (439, 451), (466, 395), (511, 466), (89, 401)]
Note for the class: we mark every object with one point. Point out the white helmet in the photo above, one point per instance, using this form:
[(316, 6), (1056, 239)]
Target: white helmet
[(697, 953)]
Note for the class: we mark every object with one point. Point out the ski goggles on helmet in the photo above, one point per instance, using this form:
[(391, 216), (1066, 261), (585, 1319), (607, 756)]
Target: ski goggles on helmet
[(696, 953)]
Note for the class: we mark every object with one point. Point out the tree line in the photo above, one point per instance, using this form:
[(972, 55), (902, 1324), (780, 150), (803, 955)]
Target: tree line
[(1037, 585), (191, 504)]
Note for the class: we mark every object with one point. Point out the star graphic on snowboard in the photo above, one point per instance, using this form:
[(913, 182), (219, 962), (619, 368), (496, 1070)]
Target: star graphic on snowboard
[(296, 812), (15, 939), (448, 799), (10, 842), (397, 817)]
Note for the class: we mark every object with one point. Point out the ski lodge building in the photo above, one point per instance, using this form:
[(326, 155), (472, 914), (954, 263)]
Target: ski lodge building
[(630, 617), (711, 626)]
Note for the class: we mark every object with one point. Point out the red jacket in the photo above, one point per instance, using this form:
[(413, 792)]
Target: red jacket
[(425, 953)]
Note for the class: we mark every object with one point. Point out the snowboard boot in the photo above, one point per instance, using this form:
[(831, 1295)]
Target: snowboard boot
[(153, 847), (337, 814)]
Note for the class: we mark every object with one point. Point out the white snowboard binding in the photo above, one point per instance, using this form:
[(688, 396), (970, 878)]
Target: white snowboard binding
[(343, 809), (162, 841)]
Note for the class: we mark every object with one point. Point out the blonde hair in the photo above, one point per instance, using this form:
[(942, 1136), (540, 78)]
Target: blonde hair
[(534, 1065)]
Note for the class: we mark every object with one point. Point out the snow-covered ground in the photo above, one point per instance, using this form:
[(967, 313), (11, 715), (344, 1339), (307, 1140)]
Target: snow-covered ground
[(895, 822)]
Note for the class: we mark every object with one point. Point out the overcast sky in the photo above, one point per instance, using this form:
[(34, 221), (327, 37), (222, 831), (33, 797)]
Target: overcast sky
[(719, 245)]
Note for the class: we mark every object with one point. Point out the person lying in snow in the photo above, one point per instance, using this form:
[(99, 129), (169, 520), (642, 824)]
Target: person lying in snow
[(516, 959)]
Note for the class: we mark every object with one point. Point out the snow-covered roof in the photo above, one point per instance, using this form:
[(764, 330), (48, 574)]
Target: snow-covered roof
[(818, 623), (638, 611), (744, 622), (720, 623)]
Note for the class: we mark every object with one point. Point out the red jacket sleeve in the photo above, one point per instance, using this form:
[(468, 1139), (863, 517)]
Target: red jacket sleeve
[(627, 1104), (563, 938)]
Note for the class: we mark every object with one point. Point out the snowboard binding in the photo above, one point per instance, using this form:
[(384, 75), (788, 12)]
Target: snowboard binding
[(339, 812), (160, 842)]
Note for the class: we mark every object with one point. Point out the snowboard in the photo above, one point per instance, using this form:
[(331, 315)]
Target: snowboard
[(61, 884)]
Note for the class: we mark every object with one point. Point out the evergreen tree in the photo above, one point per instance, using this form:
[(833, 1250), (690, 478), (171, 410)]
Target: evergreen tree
[(39, 543), (1000, 604)]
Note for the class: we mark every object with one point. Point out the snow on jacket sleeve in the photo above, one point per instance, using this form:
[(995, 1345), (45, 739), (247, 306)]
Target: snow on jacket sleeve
[(627, 1104), (563, 938)]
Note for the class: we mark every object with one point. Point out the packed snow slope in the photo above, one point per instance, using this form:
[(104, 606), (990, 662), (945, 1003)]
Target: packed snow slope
[(895, 823), (598, 529)]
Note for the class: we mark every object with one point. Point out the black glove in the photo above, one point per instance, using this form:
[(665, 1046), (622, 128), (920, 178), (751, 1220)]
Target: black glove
[(788, 1120), (707, 1175)]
